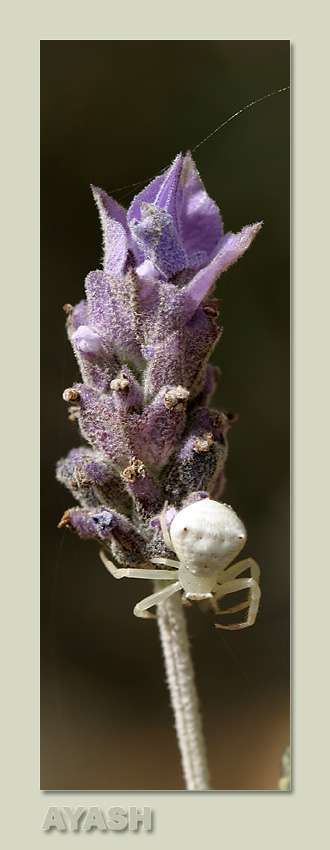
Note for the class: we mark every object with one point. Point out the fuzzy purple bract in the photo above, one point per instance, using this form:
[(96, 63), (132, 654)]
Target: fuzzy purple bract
[(142, 338)]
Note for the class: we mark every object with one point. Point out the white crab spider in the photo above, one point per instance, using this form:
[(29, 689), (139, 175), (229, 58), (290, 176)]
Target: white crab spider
[(206, 536)]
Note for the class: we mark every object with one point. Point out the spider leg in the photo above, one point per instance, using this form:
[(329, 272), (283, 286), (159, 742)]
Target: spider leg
[(234, 608), (134, 572), (240, 567), (252, 604), (165, 532), (141, 609), (165, 561), (232, 572)]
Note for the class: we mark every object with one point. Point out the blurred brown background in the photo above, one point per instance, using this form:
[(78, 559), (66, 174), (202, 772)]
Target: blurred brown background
[(114, 113)]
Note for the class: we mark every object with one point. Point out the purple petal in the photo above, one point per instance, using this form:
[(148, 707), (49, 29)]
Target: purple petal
[(96, 358), (158, 240), (195, 497), (112, 310), (79, 316), (79, 520), (107, 206), (169, 196), (180, 357), (102, 426), (212, 375), (144, 488), (127, 392), (201, 457), (200, 221), (160, 191), (155, 433), (147, 271), (113, 222), (126, 542), (87, 341), (231, 247), (166, 305), (92, 480)]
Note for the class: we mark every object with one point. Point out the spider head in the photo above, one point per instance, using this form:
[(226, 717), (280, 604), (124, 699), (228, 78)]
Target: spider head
[(207, 536)]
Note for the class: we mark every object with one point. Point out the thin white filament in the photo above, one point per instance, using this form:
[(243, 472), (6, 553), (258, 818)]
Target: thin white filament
[(248, 105), (206, 138)]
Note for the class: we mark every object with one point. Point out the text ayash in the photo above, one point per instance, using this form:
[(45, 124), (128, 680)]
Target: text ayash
[(65, 818)]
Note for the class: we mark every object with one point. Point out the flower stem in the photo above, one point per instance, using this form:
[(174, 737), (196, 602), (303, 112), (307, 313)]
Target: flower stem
[(181, 682)]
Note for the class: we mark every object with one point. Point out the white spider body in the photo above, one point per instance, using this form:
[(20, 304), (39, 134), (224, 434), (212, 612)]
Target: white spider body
[(205, 536)]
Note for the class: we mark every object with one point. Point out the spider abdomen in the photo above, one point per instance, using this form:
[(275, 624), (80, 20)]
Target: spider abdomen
[(206, 536)]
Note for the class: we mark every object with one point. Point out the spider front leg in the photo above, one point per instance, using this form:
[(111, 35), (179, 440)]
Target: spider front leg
[(241, 566), (134, 572), (169, 561), (141, 609), (228, 583), (164, 529)]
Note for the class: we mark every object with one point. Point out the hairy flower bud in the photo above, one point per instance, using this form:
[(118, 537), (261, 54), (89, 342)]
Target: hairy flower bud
[(142, 339)]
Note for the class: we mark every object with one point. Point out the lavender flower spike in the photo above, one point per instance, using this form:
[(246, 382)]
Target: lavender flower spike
[(142, 338)]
